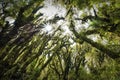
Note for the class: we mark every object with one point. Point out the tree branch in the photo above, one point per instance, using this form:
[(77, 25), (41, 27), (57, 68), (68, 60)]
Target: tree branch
[(99, 46)]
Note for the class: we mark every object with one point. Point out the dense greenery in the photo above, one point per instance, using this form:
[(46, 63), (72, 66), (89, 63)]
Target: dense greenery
[(89, 51)]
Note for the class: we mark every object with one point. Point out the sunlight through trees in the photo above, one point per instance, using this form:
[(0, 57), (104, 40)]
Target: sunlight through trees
[(59, 39)]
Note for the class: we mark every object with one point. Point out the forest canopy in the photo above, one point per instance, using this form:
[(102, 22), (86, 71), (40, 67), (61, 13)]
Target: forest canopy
[(59, 39)]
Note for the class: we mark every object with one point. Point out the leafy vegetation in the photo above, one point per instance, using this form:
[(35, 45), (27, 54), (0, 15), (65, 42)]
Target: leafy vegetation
[(83, 44)]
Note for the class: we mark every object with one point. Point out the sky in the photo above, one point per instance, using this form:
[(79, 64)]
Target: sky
[(49, 11)]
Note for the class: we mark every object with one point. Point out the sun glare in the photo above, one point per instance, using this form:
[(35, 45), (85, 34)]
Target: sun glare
[(48, 27)]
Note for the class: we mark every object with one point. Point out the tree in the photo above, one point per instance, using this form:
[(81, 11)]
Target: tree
[(89, 51)]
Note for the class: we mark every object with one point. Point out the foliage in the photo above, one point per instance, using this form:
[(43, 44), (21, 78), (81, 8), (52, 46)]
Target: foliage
[(29, 52)]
